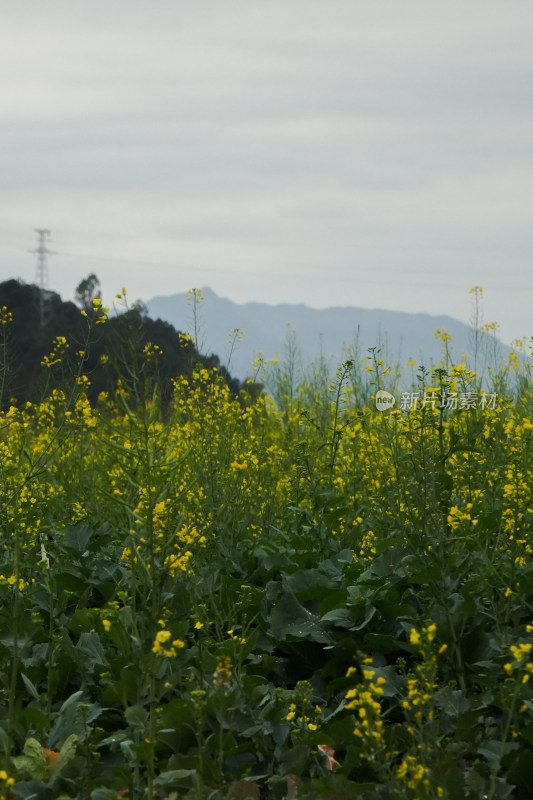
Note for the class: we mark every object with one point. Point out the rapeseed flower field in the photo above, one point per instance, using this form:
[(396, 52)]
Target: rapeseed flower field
[(290, 594)]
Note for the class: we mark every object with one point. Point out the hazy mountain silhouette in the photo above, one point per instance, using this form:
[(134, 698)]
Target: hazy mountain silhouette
[(318, 331)]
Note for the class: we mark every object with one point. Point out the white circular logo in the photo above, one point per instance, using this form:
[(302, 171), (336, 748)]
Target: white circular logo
[(384, 400)]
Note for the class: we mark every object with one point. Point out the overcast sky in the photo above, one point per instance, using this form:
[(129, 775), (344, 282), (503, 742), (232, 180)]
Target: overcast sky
[(331, 152)]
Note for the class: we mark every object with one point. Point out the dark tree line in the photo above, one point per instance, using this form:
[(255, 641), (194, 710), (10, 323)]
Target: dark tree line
[(39, 317)]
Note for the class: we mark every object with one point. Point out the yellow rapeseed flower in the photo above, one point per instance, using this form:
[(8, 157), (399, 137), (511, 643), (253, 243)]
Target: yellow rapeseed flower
[(414, 636), (239, 465)]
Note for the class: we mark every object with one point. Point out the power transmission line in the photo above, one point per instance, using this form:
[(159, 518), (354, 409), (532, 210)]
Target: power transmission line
[(330, 276)]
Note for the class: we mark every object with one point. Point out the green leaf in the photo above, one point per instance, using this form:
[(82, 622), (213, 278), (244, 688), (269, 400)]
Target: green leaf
[(278, 787), (76, 538), (70, 579), (495, 750), (71, 702), (32, 790), (175, 778), (521, 772), (293, 760), (452, 702), (389, 563), (383, 643), (30, 686), (136, 716), (35, 719), (103, 794), (309, 584), (32, 764), (370, 612), (66, 754), (290, 618), (89, 644), (341, 617), (74, 716)]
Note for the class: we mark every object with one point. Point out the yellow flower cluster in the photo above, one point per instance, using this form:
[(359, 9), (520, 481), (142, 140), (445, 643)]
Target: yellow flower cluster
[(522, 660), (413, 773), (456, 517), (422, 685), (239, 465), (8, 782), (425, 635), (152, 352), (178, 562), (291, 712), (6, 317), (240, 639), (304, 719), (367, 547), (302, 715), (516, 501), (161, 639), (442, 334), (222, 674), (100, 312), (21, 584), (59, 348), (365, 701)]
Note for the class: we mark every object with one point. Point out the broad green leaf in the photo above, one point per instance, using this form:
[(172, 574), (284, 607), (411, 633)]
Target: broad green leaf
[(495, 750), (175, 778), (136, 716), (76, 538), (32, 765), (91, 647), (30, 686), (290, 618), (66, 754)]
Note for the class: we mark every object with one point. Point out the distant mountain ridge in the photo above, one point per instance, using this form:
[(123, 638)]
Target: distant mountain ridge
[(324, 331)]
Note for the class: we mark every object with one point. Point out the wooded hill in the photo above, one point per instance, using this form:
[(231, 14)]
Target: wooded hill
[(40, 317)]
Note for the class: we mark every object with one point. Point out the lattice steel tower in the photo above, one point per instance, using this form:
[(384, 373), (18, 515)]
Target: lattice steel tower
[(41, 272), (42, 252)]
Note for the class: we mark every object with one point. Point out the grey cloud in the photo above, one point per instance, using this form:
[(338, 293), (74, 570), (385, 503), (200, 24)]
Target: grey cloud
[(328, 134)]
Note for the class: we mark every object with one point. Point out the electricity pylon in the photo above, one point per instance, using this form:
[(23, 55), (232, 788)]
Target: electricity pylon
[(42, 252), (41, 271)]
